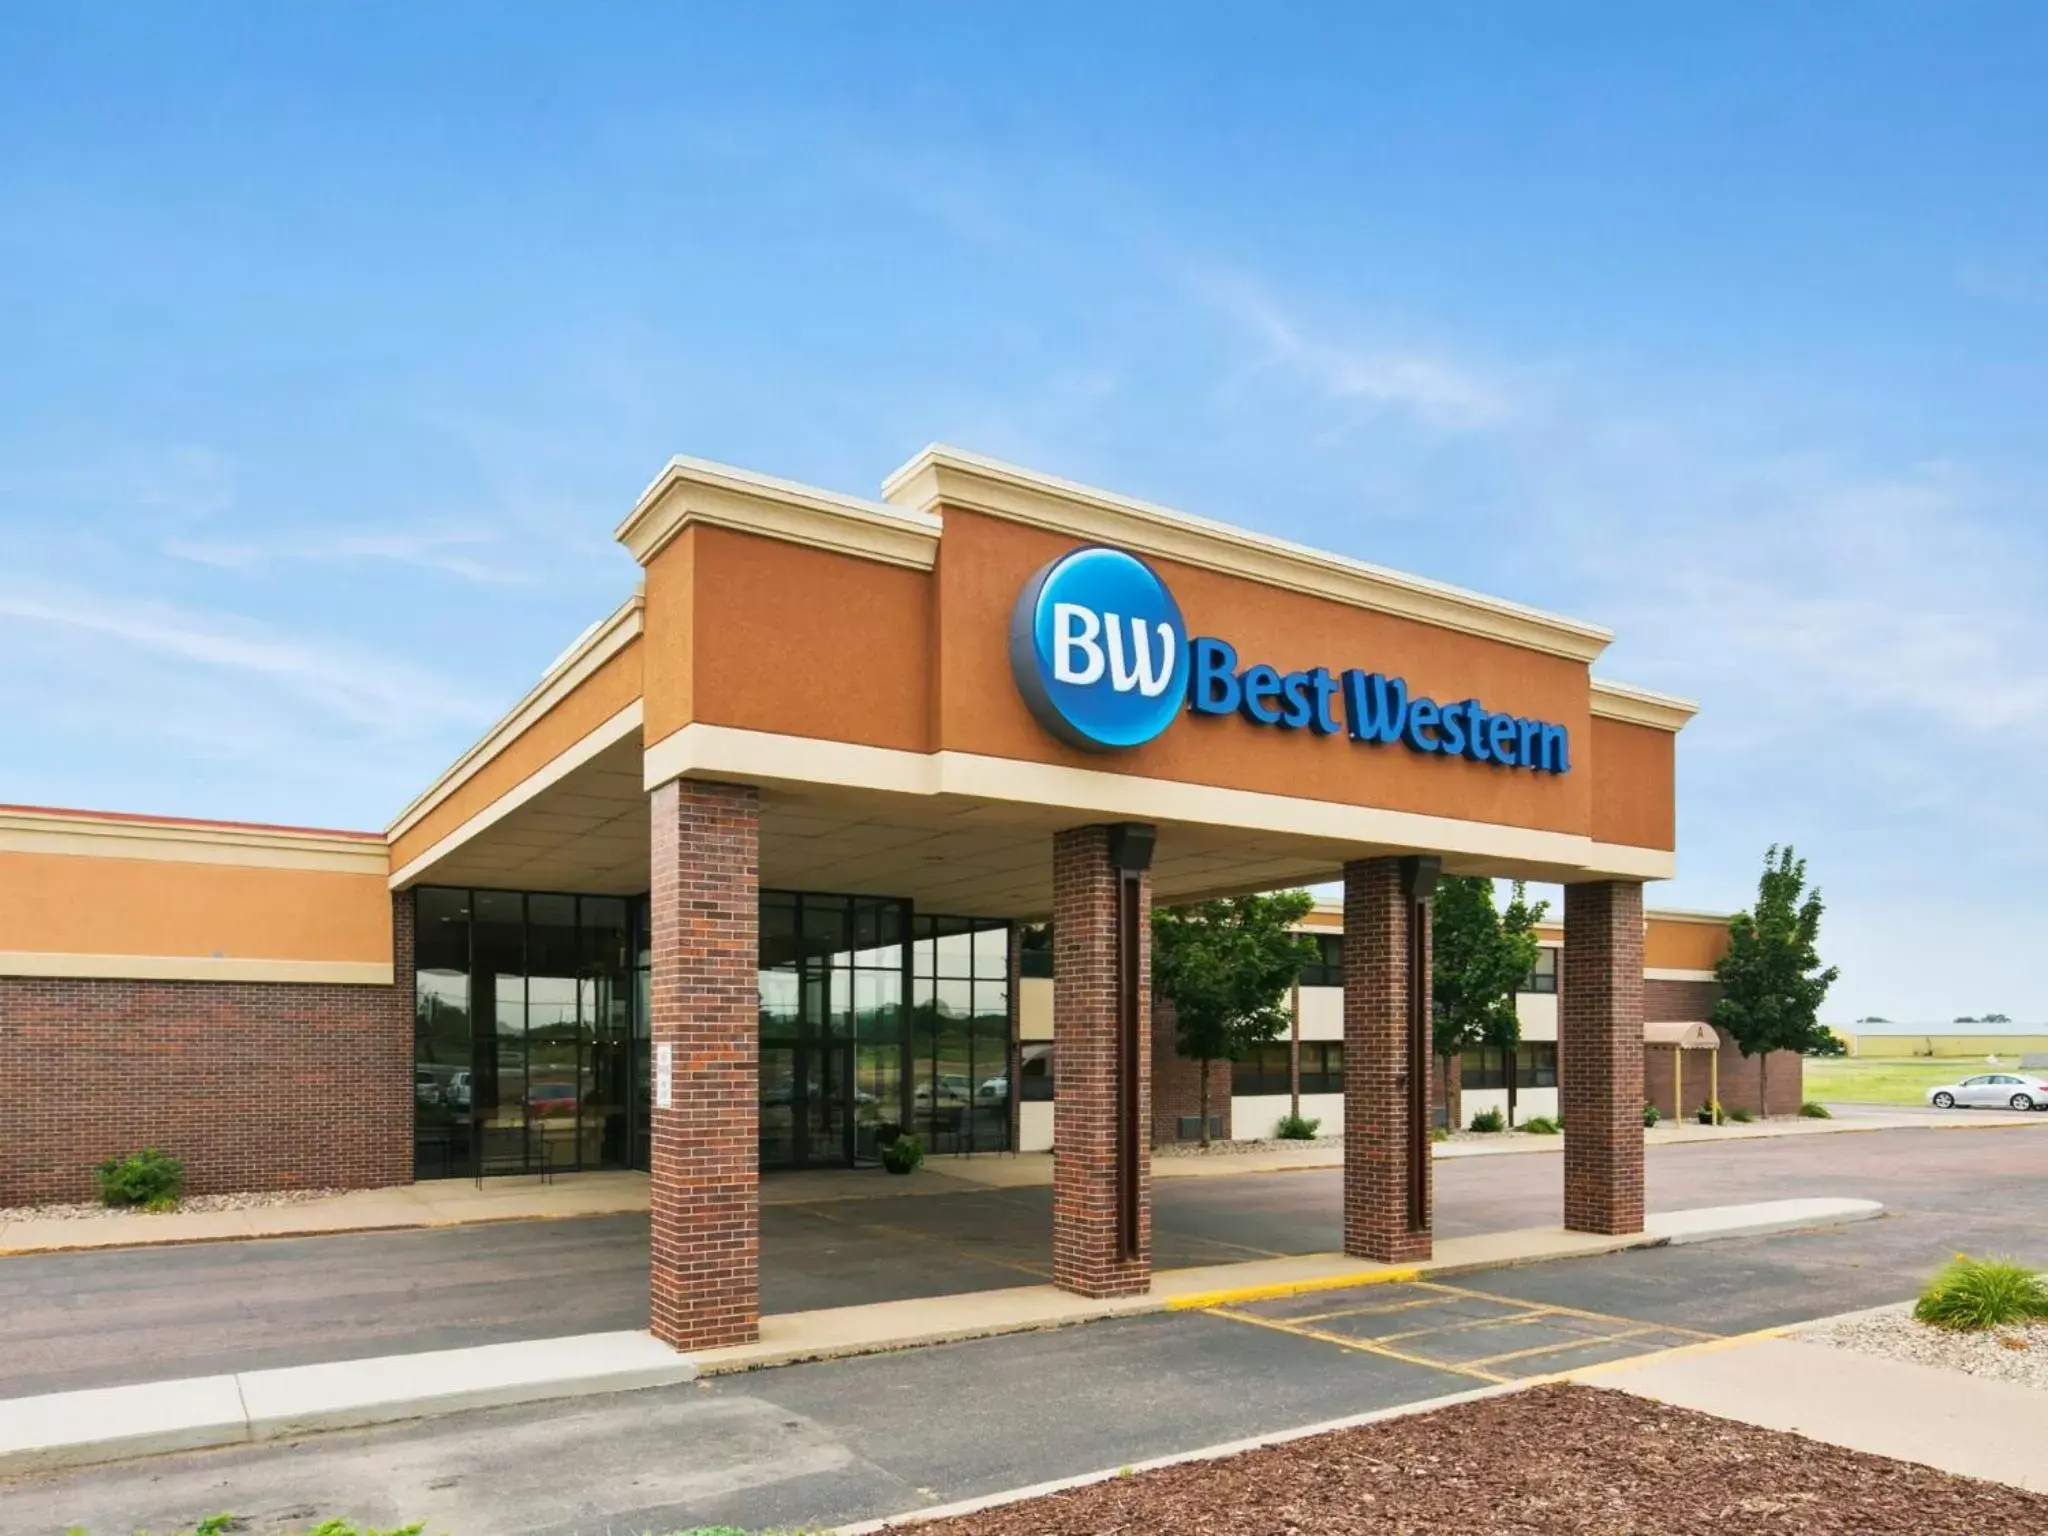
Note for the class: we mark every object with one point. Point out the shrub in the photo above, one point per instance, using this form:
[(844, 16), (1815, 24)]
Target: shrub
[(1812, 1111), (1295, 1127), (1540, 1125), (1710, 1113), (1969, 1295), (1740, 1116), (1489, 1120), (903, 1155), (149, 1178), (1651, 1115), (1440, 1133)]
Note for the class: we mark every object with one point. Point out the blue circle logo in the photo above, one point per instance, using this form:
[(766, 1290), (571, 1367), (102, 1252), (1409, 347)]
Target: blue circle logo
[(1099, 650)]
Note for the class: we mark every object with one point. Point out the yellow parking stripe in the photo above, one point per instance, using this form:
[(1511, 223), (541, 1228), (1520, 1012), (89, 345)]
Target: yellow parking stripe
[(1564, 1311), (1551, 1349), (1361, 1346)]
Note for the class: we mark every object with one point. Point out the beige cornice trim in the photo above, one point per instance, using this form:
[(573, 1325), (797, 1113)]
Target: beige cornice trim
[(352, 973), (716, 751), (81, 835), (697, 491), (1639, 706), (621, 727), (591, 650), (951, 477), (1671, 973)]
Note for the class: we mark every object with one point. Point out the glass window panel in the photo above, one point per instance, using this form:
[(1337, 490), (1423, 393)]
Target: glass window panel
[(827, 928), (778, 1105), (781, 1001), (643, 1070), (992, 1003), (554, 1032), (777, 940), (442, 1064), (955, 951), (498, 996), (605, 1007), (992, 952), (990, 1111), (878, 1007), (953, 999)]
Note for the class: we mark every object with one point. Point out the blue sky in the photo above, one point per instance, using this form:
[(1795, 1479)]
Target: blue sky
[(337, 338)]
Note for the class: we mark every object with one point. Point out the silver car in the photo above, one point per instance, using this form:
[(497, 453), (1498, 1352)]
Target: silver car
[(1993, 1090)]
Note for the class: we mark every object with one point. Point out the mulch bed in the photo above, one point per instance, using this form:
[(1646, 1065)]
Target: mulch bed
[(1551, 1459)]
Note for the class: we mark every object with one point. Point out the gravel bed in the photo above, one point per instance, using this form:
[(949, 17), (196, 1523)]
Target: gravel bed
[(1249, 1144), (1560, 1459), (87, 1211), (2018, 1355)]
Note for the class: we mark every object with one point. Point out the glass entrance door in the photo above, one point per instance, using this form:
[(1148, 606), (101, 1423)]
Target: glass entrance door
[(831, 990)]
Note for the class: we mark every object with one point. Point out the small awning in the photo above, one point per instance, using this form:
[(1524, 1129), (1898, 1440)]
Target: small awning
[(1687, 1037)]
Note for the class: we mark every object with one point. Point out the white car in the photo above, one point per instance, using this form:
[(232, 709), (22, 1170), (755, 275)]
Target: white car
[(1993, 1090)]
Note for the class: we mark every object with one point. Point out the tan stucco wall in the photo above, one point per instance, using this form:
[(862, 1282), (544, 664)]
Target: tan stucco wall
[(1682, 944), (67, 904)]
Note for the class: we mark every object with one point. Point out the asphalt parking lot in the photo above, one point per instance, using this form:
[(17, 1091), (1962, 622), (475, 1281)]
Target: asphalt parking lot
[(92, 1319), (850, 1439)]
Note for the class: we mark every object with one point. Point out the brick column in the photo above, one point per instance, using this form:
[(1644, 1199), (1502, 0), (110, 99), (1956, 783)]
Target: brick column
[(1600, 1056), (705, 1197), (1085, 1258), (1377, 1107)]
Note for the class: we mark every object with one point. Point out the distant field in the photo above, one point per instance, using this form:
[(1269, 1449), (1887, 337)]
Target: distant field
[(1882, 1079)]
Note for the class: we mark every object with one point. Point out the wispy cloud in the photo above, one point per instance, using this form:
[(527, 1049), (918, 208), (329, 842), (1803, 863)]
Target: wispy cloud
[(2005, 279), (1430, 386), (454, 553), (381, 695)]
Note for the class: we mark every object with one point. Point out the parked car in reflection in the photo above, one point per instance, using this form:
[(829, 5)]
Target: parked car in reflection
[(425, 1088), (551, 1101), (1993, 1090), (949, 1088), (993, 1091), (456, 1094)]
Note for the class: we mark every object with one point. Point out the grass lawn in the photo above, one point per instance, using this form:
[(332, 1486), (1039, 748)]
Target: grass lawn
[(1883, 1079)]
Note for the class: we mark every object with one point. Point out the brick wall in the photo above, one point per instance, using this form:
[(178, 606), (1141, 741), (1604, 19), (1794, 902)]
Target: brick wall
[(254, 1085), (1376, 1108), (1686, 1001), (704, 1195), (1085, 1256), (1600, 1057), (1177, 1083)]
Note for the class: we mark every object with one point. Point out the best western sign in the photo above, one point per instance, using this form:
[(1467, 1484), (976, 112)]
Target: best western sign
[(1101, 655)]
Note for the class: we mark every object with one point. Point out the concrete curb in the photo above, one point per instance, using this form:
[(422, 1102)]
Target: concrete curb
[(1759, 1219), (69, 1429)]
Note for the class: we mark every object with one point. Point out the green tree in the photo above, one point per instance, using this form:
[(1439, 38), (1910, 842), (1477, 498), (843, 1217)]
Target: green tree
[(1827, 1043), (1772, 981), (1479, 956), (1226, 967)]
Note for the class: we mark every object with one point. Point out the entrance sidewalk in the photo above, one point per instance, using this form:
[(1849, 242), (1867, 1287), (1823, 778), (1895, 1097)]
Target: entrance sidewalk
[(463, 1202), (1928, 1414), (111, 1423)]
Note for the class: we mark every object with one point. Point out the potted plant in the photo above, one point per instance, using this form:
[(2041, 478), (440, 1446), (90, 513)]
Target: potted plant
[(903, 1155)]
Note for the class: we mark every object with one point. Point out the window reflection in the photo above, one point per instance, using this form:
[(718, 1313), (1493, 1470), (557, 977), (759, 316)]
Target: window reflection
[(530, 1038)]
